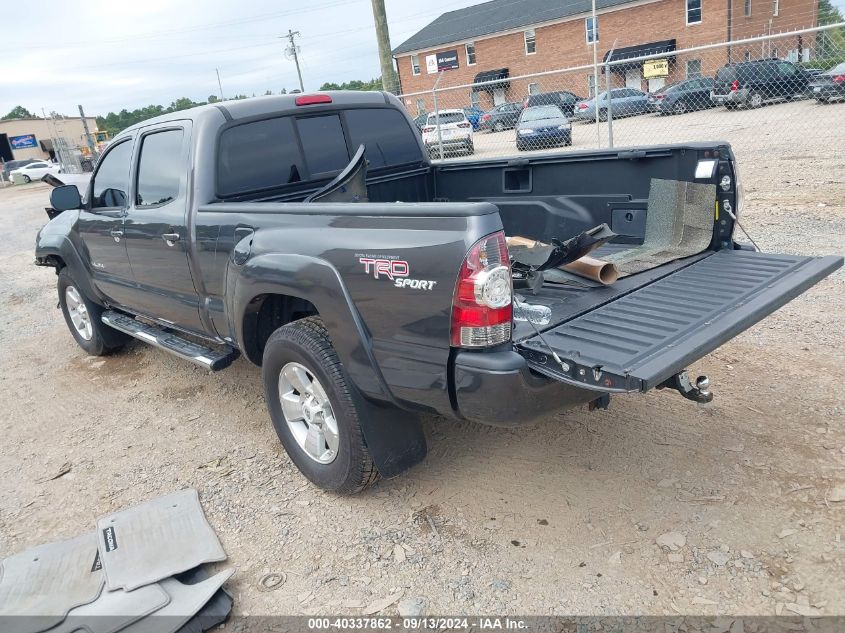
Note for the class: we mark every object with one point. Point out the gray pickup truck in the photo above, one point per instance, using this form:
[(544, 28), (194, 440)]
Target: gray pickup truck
[(311, 234)]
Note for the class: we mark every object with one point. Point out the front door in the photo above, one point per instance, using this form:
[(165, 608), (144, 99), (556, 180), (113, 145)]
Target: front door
[(498, 96), (100, 225), (156, 233)]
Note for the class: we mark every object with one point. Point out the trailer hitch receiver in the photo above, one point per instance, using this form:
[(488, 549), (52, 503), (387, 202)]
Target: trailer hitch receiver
[(681, 383)]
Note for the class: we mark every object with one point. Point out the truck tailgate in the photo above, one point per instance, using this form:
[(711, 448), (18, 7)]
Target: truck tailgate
[(637, 341)]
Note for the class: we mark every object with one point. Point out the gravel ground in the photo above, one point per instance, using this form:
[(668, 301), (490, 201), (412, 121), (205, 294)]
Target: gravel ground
[(655, 506)]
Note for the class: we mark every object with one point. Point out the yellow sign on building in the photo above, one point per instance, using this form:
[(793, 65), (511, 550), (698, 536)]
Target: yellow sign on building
[(655, 68)]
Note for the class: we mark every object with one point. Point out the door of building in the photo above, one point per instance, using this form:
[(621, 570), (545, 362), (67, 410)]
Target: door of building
[(634, 78), (656, 83), (498, 96)]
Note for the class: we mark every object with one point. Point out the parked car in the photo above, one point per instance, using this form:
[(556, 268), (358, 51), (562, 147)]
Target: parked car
[(35, 171), (542, 126), (503, 117), (366, 302), (473, 115), (455, 133), (680, 97), (12, 165), (751, 84), (563, 99), (829, 85), (420, 120), (622, 102)]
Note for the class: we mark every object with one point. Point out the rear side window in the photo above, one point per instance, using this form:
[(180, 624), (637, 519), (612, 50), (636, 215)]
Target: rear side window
[(386, 135), (159, 168), (323, 143), (258, 155)]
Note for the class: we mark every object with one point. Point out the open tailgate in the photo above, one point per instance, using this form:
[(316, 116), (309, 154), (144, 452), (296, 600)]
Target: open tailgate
[(637, 341)]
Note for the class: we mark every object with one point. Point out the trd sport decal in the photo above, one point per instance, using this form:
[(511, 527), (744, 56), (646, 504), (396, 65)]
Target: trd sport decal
[(396, 270)]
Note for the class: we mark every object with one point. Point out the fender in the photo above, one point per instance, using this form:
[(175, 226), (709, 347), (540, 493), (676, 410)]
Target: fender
[(394, 436), (54, 240)]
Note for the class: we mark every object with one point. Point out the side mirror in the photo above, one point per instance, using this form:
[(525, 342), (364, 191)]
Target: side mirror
[(65, 198)]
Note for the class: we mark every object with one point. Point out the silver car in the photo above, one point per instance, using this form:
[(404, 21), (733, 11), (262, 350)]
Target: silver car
[(622, 102)]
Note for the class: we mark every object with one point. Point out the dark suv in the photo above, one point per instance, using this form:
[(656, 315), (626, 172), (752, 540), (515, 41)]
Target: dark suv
[(563, 99), (753, 83)]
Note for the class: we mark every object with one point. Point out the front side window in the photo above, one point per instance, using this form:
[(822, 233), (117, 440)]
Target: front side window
[(258, 155), (385, 134), (693, 68), (530, 42), (159, 168), (111, 181), (592, 28), (323, 144), (415, 64), (693, 11), (470, 46)]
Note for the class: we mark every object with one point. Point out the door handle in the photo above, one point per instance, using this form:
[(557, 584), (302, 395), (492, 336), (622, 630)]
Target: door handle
[(170, 238)]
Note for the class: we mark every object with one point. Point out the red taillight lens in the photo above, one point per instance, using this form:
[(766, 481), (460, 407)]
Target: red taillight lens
[(660, 97), (734, 85), (312, 99), (464, 125), (582, 106), (839, 79), (486, 117), (428, 128), (482, 307)]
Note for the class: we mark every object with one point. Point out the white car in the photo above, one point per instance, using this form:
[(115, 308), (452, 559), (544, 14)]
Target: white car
[(455, 133), (35, 171)]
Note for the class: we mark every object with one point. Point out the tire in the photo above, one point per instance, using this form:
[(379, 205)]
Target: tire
[(568, 142), (83, 319), (755, 100), (304, 346), (679, 108), (470, 148), (730, 106), (26, 179), (603, 115), (498, 126)]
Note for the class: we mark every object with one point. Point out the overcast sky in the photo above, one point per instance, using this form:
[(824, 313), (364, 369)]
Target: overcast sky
[(114, 54)]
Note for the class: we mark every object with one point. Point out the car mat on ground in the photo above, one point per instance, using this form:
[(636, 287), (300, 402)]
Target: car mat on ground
[(214, 612), (679, 223), (185, 602), (114, 610), (40, 586), (155, 540)]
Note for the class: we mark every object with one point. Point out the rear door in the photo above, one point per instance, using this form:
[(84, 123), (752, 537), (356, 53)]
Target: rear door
[(638, 340), (156, 232)]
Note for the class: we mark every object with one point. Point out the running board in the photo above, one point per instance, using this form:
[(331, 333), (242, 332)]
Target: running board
[(170, 341)]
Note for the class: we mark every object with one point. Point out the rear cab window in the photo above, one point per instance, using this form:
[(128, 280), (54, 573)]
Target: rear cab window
[(275, 153)]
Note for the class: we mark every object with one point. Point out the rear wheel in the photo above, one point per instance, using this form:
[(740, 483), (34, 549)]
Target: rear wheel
[(312, 409), (498, 126), (83, 319), (603, 115), (470, 147), (679, 108), (755, 100)]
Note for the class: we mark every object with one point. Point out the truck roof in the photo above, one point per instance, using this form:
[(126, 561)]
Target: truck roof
[(256, 106)]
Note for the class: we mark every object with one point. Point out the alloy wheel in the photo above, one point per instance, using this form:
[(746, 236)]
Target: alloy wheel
[(308, 413)]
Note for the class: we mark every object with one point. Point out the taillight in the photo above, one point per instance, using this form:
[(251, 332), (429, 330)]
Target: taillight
[(302, 100), (486, 117), (482, 307), (839, 79), (464, 125), (735, 85), (660, 97), (428, 129), (582, 106)]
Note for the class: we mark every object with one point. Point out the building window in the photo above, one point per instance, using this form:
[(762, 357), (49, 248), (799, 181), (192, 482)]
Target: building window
[(748, 56), (775, 8), (533, 88), (693, 11), (693, 68), (470, 46), (415, 64), (530, 42), (592, 29), (748, 8), (474, 98), (420, 106), (775, 53)]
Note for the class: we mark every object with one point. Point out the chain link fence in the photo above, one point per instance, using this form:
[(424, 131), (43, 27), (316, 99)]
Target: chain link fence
[(756, 92)]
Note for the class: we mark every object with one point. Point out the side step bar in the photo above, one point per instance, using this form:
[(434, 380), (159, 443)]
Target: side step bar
[(168, 340)]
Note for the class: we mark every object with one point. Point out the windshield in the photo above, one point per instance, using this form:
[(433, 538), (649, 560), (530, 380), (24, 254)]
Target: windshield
[(541, 112), (446, 117), (668, 87)]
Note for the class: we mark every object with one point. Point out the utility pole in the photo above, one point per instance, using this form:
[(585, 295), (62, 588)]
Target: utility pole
[(91, 145), (291, 52), (595, 94), (389, 81), (219, 85)]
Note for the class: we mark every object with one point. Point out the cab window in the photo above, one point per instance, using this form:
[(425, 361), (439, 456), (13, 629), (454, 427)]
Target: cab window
[(111, 181)]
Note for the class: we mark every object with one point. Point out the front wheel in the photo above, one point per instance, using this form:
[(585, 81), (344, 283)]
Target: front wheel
[(27, 179), (470, 148), (83, 319), (755, 100), (312, 409)]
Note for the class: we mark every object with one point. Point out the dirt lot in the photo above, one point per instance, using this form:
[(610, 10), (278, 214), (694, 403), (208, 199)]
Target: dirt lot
[(562, 518)]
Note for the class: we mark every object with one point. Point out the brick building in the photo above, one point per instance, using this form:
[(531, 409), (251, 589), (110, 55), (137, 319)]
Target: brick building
[(502, 39)]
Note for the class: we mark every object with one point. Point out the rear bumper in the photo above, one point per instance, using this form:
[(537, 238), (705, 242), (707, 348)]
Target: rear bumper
[(735, 97), (499, 389)]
